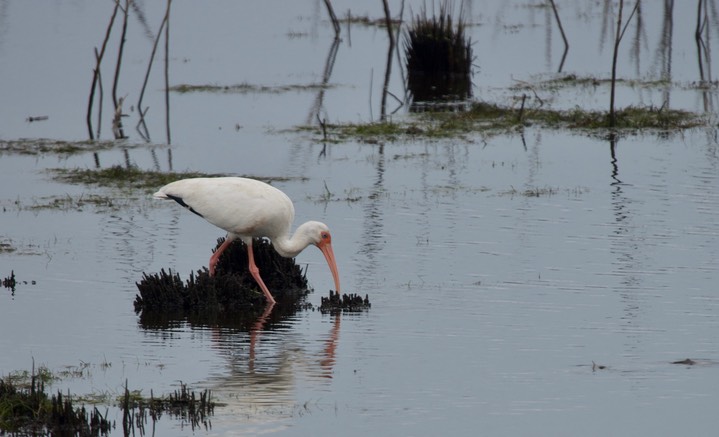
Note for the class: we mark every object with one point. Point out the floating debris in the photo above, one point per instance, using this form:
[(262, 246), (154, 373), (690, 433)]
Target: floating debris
[(32, 119), (596, 366), (345, 303)]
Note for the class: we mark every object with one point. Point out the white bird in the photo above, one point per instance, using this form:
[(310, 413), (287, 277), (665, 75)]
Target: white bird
[(247, 209)]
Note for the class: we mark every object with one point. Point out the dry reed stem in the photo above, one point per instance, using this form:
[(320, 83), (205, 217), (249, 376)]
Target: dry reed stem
[(96, 73)]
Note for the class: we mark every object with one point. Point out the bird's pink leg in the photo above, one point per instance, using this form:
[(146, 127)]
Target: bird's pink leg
[(216, 256), (256, 274)]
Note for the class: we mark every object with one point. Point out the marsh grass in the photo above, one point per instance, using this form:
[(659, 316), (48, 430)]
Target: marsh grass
[(133, 178), (246, 88), (132, 182), (631, 118), (232, 290), (350, 303), (66, 202), (571, 80), (6, 246), (545, 191), (129, 178), (492, 119), (438, 55), (436, 45), (365, 20), (21, 248), (190, 407), (43, 146), (26, 409)]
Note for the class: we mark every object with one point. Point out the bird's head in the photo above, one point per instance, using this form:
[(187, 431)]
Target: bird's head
[(319, 234)]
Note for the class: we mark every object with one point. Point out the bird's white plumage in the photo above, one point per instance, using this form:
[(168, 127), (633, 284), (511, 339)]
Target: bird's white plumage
[(247, 208), (240, 206)]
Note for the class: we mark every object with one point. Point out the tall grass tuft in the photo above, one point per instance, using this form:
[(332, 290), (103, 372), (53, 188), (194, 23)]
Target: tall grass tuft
[(438, 55)]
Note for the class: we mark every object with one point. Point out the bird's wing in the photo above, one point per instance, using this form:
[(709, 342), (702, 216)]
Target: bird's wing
[(238, 205)]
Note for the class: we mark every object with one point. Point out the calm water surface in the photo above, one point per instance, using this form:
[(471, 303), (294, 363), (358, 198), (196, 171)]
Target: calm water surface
[(499, 267)]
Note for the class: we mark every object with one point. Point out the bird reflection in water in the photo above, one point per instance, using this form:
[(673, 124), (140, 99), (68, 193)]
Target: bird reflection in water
[(327, 357), (265, 378)]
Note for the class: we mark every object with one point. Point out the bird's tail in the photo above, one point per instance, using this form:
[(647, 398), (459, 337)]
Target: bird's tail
[(160, 195)]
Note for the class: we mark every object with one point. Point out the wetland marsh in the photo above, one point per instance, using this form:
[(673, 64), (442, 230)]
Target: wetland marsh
[(531, 272)]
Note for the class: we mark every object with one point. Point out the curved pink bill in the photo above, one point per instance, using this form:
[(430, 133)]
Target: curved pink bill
[(326, 248)]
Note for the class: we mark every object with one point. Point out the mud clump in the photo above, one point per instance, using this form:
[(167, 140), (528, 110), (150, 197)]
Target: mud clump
[(232, 289), (10, 282), (344, 303), (232, 298)]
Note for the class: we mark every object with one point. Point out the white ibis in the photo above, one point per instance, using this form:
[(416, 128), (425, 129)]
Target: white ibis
[(248, 209)]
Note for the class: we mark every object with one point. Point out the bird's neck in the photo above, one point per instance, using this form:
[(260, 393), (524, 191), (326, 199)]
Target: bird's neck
[(291, 246)]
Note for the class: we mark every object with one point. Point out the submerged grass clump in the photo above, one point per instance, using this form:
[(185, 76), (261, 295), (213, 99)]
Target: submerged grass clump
[(335, 303), (42, 146), (246, 88), (563, 81), (26, 409), (122, 177), (6, 246), (232, 290), (438, 56), (630, 118), (129, 177), (67, 202), (232, 298), (435, 46), (183, 404), (490, 119), (10, 282)]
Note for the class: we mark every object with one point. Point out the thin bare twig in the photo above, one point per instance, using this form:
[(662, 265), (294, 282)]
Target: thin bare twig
[(117, 120), (390, 51), (399, 56), (371, 79), (117, 128), (521, 109), (561, 30), (702, 49), (534, 91), (323, 125), (101, 98), (617, 40), (167, 74), (349, 26), (149, 65), (326, 74), (96, 73), (629, 19), (333, 17), (121, 48)]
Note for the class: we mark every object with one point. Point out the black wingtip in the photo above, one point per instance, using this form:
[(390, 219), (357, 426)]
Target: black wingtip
[(182, 202)]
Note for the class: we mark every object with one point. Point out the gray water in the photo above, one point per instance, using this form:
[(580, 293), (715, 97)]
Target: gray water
[(490, 303)]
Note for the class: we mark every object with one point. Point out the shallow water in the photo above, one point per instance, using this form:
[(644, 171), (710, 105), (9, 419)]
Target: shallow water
[(499, 267)]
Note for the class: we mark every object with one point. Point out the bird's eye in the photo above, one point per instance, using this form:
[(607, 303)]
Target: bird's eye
[(324, 235)]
